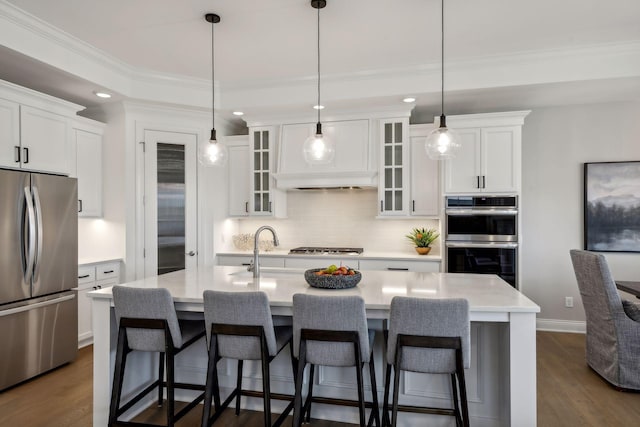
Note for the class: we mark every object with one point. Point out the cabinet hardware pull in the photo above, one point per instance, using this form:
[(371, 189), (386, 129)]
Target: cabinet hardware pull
[(17, 154), (397, 268), (270, 204), (246, 264), (107, 272), (95, 288), (477, 181), (83, 276), (79, 205), (26, 155), (484, 182), (381, 206), (246, 207), (414, 205), (99, 286)]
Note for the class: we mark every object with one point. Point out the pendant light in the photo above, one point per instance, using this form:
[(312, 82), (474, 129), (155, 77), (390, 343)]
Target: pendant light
[(212, 152), (318, 148), (442, 143)]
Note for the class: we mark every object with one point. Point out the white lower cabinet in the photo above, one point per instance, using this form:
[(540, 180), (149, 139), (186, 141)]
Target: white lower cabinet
[(400, 265), (90, 278)]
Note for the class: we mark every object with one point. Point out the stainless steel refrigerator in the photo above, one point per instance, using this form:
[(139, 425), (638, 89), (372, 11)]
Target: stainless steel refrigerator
[(38, 269)]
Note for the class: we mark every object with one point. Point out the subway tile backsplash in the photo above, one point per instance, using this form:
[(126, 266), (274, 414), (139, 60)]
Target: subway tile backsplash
[(340, 218)]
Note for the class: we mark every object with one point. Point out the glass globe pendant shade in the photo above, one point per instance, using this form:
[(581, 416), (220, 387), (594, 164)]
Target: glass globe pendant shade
[(319, 149), (212, 152), (442, 143)]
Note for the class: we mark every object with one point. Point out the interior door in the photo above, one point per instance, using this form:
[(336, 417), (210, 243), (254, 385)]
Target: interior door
[(170, 202)]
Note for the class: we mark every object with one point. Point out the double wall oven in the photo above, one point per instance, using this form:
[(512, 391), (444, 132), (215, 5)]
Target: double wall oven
[(482, 235)]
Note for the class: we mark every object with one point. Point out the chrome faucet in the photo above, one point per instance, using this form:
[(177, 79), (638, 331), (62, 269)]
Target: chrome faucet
[(256, 250)]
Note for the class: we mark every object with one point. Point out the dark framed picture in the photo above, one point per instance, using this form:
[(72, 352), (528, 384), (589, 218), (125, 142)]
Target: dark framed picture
[(612, 206)]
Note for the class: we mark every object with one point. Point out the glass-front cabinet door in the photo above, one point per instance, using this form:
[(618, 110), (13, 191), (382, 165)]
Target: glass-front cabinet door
[(394, 167), (260, 164)]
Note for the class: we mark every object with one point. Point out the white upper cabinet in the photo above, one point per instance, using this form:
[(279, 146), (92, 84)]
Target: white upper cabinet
[(89, 172), (351, 166), (45, 140), (489, 160), (238, 175), (9, 133), (425, 175), (409, 181), (393, 182), (264, 198), (35, 130)]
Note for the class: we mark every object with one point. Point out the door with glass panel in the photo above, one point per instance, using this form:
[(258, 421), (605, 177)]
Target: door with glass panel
[(170, 202), (394, 167)]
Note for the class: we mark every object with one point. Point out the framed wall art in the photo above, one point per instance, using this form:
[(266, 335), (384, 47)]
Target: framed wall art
[(612, 206)]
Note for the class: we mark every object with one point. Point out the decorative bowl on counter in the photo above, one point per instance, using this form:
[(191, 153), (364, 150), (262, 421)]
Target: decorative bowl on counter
[(328, 281), (244, 242)]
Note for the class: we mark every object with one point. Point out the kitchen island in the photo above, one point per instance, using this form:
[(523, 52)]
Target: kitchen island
[(501, 383)]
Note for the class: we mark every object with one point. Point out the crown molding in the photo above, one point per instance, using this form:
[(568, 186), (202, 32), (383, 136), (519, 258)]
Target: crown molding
[(40, 40)]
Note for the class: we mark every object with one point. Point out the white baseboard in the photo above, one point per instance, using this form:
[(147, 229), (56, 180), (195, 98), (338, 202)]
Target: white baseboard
[(554, 325)]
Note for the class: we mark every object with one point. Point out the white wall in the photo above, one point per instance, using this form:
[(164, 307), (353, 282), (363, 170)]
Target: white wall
[(556, 143), (340, 218)]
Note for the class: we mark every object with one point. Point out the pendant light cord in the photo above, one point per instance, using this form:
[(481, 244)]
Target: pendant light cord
[(318, 65), (442, 56), (213, 80)]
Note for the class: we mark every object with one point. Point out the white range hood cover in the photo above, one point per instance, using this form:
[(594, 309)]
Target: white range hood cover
[(354, 164)]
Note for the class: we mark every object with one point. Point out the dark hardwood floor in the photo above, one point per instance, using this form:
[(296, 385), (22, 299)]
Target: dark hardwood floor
[(569, 394)]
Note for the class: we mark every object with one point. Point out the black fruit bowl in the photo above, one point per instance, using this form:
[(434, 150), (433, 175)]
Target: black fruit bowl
[(331, 282)]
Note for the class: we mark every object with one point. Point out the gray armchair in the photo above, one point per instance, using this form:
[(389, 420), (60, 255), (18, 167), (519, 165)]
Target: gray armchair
[(613, 337)]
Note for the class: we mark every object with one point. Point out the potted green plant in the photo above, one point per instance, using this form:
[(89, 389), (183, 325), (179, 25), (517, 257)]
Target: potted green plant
[(422, 239)]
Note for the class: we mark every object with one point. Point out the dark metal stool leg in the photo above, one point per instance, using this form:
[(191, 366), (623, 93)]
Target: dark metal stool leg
[(396, 390), (463, 398), (118, 375), (297, 406), (239, 387), (361, 406), (266, 390), (456, 406), (307, 404), (170, 389), (374, 393), (385, 404), (160, 377)]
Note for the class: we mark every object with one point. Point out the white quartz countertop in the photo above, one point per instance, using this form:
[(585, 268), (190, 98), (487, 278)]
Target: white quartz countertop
[(486, 293), (98, 260), (365, 255)]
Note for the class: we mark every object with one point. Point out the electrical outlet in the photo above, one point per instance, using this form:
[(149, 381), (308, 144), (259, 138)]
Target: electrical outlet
[(568, 302)]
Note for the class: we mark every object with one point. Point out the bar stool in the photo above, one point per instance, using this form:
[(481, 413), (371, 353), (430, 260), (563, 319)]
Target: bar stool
[(332, 331), (428, 336), (239, 326), (148, 321)]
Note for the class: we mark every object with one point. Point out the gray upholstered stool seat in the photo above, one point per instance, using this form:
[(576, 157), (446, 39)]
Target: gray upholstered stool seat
[(147, 321), (239, 326), (613, 336), (428, 336), (332, 331)]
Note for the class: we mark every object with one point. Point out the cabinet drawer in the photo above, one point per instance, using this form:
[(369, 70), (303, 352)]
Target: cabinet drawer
[(108, 271), (398, 265), (86, 274)]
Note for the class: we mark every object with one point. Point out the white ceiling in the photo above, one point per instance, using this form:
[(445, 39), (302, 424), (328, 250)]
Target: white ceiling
[(267, 44)]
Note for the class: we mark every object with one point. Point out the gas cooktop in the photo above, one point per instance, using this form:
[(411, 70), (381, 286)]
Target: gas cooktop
[(313, 250)]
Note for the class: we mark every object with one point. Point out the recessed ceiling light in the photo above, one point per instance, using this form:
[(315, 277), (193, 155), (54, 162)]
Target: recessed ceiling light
[(409, 99), (238, 113), (318, 107), (102, 94)]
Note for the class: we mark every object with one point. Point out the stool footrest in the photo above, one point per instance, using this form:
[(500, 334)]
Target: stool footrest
[(426, 410)]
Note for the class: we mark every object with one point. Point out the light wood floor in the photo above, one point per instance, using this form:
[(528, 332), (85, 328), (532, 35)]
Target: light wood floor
[(569, 394)]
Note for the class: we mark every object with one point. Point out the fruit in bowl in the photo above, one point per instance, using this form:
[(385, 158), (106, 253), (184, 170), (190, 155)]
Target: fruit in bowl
[(333, 270), (333, 277)]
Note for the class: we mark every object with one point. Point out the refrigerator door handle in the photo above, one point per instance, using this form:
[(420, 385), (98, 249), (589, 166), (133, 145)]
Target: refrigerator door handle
[(38, 206), (27, 307), (30, 247)]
